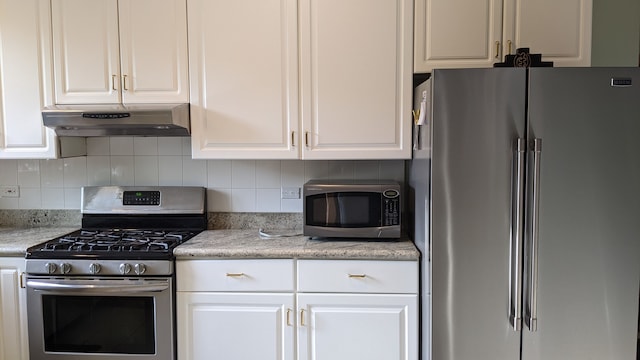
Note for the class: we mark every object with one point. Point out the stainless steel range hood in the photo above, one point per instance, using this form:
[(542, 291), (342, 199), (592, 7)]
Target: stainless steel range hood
[(118, 120)]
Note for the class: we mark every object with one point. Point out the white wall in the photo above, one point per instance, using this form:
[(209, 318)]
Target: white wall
[(616, 33), (233, 185)]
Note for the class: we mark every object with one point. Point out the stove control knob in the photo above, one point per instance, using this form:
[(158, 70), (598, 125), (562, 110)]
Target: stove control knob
[(50, 268), (65, 268), (139, 269), (125, 268), (94, 268)]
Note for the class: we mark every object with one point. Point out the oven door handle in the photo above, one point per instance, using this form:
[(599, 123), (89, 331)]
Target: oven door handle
[(97, 286)]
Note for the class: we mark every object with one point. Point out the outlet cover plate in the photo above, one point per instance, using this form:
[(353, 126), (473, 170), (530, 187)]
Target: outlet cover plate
[(291, 193), (12, 191)]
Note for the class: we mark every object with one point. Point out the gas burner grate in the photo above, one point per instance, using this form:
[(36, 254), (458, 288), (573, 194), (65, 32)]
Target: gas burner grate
[(116, 241)]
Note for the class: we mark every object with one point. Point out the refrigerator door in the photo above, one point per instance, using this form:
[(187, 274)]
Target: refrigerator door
[(477, 116), (588, 251)]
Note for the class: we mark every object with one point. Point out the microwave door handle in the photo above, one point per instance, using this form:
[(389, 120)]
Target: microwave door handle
[(96, 287)]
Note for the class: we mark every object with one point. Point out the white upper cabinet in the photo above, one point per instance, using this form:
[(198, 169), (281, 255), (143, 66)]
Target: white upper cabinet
[(120, 51), (25, 79), (479, 33), (244, 78), (356, 78), (559, 30), (328, 80)]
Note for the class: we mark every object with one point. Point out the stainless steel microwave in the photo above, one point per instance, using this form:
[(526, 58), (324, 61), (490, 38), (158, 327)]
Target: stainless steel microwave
[(349, 209)]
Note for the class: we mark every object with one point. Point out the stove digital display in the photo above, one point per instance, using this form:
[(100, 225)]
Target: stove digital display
[(141, 198)]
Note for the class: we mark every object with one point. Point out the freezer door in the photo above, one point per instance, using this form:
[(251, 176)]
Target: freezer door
[(585, 299), (477, 116)]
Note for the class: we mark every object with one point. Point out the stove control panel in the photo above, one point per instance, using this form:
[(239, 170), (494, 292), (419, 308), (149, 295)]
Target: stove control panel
[(141, 198), (72, 267)]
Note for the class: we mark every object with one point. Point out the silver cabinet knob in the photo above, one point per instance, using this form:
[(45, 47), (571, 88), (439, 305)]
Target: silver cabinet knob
[(94, 268), (50, 268), (139, 269), (65, 268), (125, 268)]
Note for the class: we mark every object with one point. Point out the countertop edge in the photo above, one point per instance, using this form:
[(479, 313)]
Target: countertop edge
[(246, 244)]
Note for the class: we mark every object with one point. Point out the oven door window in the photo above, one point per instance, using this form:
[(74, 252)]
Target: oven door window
[(99, 324), (344, 209)]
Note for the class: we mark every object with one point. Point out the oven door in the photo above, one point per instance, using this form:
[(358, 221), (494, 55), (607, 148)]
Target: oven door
[(99, 319)]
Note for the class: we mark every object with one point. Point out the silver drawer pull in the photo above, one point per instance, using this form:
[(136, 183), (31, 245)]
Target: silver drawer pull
[(235, 274), (357, 276)]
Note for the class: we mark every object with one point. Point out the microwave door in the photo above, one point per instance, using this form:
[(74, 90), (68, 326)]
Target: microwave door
[(354, 209), (331, 210)]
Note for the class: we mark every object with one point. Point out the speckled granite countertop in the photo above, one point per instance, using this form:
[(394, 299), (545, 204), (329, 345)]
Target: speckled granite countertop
[(230, 244), (14, 241), (247, 244)]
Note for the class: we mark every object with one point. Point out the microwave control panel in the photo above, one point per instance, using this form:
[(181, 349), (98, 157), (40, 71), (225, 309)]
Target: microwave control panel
[(391, 207)]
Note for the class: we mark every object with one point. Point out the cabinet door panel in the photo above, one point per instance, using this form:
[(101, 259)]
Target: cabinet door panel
[(559, 30), (235, 326), (244, 81), (25, 79), (350, 326), (86, 56), (458, 33), (153, 45), (356, 78), (13, 334)]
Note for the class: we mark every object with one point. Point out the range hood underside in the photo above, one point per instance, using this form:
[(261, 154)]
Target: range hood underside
[(118, 120)]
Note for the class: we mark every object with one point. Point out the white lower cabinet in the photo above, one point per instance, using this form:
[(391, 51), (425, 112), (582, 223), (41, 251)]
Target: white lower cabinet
[(254, 309), (235, 309), (13, 310), (234, 326), (353, 309), (357, 326)]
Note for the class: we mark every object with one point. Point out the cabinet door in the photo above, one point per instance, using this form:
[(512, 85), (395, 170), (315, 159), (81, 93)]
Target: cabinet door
[(244, 78), (25, 79), (559, 30), (153, 46), (13, 315), (85, 51), (356, 78), (357, 326), (223, 326), (457, 34)]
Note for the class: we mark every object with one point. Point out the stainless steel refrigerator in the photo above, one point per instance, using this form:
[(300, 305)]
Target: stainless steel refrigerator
[(526, 192)]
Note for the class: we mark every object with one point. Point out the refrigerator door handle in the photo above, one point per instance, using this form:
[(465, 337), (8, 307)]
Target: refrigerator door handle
[(531, 316), (517, 219)]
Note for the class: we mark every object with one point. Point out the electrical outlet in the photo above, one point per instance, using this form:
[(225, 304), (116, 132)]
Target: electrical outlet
[(10, 191), (291, 193)]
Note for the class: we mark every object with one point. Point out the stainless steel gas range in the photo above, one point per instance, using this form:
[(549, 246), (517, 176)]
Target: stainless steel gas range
[(107, 291)]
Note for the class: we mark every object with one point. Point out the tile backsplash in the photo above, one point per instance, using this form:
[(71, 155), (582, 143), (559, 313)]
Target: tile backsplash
[(232, 185)]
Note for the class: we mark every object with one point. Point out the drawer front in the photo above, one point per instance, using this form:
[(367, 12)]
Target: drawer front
[(235, 275), (358, 276)]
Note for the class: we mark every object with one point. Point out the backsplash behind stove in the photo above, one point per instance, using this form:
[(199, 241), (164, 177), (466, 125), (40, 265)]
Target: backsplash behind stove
[(215, 220), (233, 186)]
